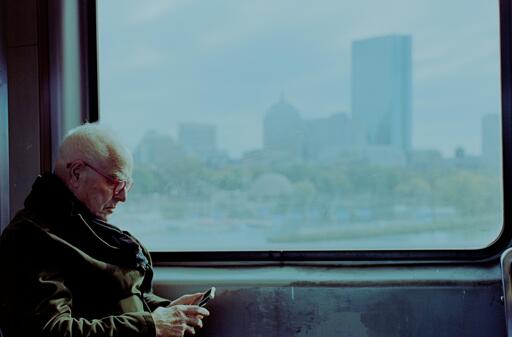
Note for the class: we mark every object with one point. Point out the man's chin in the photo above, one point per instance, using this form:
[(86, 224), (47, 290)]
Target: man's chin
[(107, 213), (103, 215)]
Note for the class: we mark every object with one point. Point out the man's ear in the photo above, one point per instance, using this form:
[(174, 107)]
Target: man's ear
[(75, 169)]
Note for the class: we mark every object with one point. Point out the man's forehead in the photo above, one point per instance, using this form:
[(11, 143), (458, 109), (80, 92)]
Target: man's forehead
[(117, 161), (123, 174), (118, 167), (122, 170)]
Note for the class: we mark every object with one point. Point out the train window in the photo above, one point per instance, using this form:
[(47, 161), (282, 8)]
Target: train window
[(288, 125)]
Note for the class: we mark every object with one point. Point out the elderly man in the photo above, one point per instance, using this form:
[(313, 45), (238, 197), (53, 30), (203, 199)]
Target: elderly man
[(66, 271)]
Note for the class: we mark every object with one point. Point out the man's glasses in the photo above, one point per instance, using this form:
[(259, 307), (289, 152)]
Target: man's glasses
[(119, 185)]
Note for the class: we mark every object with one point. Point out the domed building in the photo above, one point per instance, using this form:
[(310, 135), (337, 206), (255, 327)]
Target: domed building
[(282, 129)]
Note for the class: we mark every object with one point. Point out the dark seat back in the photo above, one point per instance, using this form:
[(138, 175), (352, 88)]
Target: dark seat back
[(506, 267)]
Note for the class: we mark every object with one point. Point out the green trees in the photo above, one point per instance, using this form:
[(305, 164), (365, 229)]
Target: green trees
[(322, 191)]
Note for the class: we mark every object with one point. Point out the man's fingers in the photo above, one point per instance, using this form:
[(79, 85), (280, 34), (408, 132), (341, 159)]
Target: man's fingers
[(194, 310), (187, 299), (194, 321), (190, 330), (194, 298)]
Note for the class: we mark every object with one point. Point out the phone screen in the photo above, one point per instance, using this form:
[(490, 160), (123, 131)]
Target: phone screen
[(207, 296)]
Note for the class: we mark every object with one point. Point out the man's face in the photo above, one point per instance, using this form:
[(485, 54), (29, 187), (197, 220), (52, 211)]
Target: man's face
[(97, 187)]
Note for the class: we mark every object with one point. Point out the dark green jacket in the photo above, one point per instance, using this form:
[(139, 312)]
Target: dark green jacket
[(65, 273)]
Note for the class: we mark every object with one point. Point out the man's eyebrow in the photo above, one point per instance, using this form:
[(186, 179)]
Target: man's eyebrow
[(118, 174)]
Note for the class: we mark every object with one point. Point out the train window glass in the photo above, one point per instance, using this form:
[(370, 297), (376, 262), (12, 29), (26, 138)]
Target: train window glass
[(288, 125)]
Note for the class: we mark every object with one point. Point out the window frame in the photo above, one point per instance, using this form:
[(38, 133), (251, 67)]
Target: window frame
[(4, 125), (281, 257)]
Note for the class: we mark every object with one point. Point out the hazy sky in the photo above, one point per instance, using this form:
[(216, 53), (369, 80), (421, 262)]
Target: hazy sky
[(225, 62)]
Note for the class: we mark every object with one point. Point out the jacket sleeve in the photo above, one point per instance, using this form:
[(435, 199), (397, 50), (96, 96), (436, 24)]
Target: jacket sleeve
[(55, 318), (35, 299), (155, 301)]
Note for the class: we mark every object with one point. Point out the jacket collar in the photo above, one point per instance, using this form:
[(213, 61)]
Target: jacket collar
[(51, 198), (53, 201)]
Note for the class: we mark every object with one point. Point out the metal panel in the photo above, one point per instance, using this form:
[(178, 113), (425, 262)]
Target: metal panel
[(434, 300), (375, 309), (23, 122)]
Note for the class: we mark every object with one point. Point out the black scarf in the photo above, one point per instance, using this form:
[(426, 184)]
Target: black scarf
[(51, 200)]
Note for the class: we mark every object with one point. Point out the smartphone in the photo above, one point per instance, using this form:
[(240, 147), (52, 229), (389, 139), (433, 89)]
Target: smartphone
[(207, 296)]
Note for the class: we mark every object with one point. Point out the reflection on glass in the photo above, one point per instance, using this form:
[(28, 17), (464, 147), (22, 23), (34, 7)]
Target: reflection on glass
[(283, 127)]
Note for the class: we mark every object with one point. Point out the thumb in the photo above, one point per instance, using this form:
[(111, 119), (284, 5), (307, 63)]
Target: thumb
[(196, 298)]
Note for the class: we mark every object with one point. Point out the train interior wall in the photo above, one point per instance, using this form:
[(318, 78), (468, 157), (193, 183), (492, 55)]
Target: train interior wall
[(373, 301), (279, 300)]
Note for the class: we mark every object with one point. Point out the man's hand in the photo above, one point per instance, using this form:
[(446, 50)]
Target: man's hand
[(176, 320), (188, 299)]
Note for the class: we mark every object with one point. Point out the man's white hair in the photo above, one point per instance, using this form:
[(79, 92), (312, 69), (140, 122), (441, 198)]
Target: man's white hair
[(93, 144)]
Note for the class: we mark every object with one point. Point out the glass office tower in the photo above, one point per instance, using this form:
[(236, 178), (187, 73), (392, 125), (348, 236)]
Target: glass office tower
[(381, 89)]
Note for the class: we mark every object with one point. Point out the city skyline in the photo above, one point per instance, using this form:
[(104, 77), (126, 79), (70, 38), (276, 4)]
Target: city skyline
[(315, 141), (226, 72)]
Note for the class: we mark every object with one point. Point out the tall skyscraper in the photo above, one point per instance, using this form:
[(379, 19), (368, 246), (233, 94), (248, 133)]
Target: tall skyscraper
[(381, 89)]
